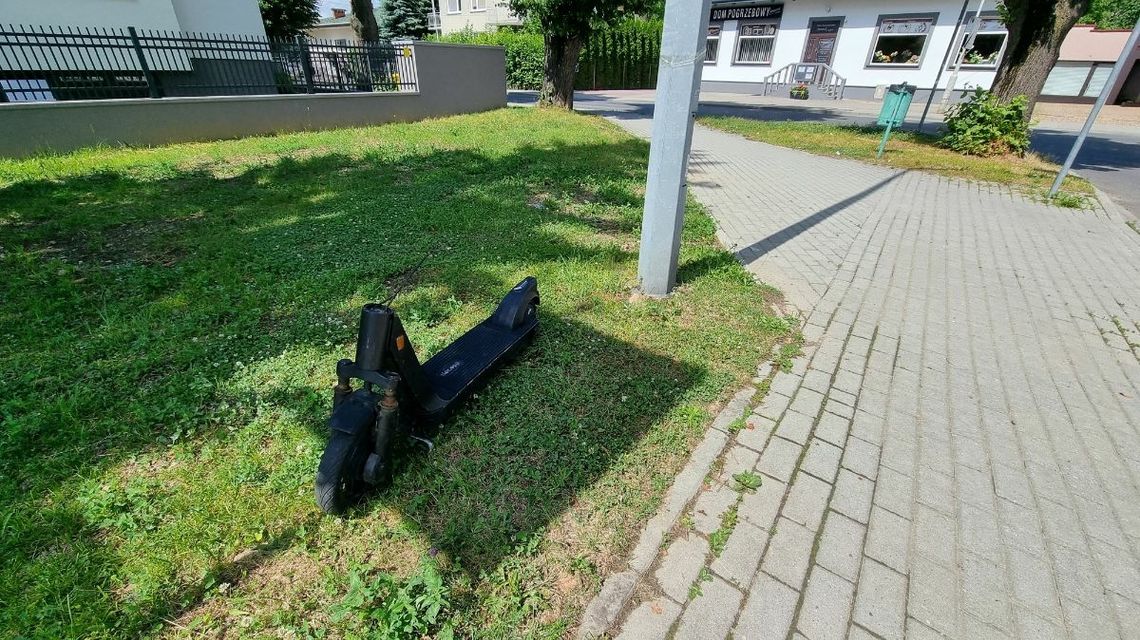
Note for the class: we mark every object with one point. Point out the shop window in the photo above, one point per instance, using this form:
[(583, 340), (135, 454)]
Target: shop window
[(1097, 80), (712, 43), (988, 43), (900, 41), (1067, 79), (755, 43)]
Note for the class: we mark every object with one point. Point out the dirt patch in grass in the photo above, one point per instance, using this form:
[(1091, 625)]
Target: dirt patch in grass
[(241, 603)]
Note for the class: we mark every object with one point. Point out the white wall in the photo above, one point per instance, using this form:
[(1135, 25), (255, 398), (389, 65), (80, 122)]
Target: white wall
[(151, 14), (493, 13), (220, 16), (240, 17), (854, 44), (333, 32), (214, 16), (452, 79)]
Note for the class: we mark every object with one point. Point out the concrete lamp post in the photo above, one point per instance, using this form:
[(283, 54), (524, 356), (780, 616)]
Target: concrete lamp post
[(674, 108)]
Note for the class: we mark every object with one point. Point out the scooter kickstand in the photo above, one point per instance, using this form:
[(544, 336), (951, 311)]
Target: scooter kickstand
[(424, 441)]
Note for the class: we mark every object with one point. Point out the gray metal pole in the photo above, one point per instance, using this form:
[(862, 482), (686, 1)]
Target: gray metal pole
[(675, 106), (945, 59), (967, 44), (1116, 68)]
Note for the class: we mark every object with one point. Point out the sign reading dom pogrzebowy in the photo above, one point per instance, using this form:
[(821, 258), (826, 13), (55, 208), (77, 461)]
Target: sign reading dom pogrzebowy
[(746, 12)]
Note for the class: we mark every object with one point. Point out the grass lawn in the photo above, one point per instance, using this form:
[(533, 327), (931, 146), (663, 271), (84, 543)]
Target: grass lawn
[(1031, 174), (170, 319)]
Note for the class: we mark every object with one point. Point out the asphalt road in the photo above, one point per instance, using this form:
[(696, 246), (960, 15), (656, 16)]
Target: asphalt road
[(1110, 158)]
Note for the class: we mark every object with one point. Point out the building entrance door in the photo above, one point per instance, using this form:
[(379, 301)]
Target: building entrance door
[(822, 35)]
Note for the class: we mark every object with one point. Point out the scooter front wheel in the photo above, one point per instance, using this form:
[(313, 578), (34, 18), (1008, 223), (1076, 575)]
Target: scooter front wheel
[(340, 476)]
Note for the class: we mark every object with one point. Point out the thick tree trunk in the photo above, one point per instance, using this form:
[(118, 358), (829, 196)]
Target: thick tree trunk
[(1036, 31), (560, 68), (364, 24), (364, 21)]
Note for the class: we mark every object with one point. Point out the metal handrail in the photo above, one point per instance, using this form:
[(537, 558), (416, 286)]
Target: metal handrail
[(822, 76)]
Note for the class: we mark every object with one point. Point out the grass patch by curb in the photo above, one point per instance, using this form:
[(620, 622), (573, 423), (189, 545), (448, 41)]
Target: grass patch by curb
[(170, 319), (1031, 175)]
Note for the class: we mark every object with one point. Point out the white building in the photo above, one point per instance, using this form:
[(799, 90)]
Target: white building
[(859, 45), (477, 15), (336, 27), (203, 16), (71, 49)]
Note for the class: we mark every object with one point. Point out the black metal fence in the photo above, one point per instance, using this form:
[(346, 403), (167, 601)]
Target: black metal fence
[(54, 63)]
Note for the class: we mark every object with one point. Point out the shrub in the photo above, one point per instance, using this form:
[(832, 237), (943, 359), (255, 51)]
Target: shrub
[(983, 126)]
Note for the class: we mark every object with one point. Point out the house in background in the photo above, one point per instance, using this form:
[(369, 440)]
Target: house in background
[(1087, 57), (337, 26), (853, 48), (478, 15)]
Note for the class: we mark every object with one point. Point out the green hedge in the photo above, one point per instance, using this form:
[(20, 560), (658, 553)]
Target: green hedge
[(619, 57), (523, 49)]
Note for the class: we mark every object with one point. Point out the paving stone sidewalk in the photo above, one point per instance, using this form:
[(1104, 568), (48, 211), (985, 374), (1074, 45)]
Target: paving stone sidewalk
[(957, 453)]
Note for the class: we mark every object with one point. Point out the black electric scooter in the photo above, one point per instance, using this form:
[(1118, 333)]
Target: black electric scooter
[(401, 397)]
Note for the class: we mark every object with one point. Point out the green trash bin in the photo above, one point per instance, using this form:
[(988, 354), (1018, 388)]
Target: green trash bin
[(893, 113), (896, 104)]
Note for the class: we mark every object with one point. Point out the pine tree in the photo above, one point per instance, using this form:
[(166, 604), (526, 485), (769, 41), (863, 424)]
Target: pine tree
[(404, 19)]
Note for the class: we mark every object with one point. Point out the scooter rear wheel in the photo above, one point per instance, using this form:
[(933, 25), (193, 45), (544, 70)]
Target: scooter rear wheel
[(340, 476)]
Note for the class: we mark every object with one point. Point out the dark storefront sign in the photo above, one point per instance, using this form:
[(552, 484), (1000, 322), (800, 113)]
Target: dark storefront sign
[(746, 12), (825, 26)]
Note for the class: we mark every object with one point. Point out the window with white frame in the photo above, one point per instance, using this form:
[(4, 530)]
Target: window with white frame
[(478, 5), (454, 6), (901, 40), (712, 43), (755, 42), (988, 43)]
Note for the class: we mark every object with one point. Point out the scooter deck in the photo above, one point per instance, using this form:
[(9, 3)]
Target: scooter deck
[(464, 362)]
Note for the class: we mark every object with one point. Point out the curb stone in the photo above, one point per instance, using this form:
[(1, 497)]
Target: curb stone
[(606, 607)]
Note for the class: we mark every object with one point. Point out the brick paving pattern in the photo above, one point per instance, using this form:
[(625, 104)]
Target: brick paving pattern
[(957, 453)]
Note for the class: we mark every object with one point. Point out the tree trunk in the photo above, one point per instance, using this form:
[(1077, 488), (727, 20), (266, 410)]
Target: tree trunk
[(559, 70), (364, 21), (1035, 34)]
